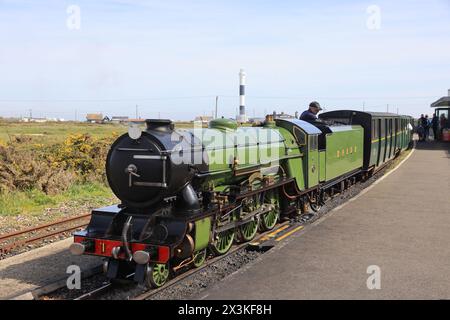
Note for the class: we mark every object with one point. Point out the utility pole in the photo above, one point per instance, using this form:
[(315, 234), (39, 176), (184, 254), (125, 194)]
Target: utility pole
[(31, 113), (217, 102), (137, 113)]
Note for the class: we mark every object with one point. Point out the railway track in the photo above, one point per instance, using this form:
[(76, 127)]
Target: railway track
[(18, 239), (263, 242)]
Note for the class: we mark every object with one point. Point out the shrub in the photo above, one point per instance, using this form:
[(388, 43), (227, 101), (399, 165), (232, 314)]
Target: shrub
[(21, 170), (82, 154), (25, 165)]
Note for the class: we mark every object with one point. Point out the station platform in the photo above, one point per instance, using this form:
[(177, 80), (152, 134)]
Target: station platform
[(401, 225), (23, 273)]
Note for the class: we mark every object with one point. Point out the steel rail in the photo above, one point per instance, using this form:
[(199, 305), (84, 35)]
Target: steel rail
[(7, 247), (20, 232)]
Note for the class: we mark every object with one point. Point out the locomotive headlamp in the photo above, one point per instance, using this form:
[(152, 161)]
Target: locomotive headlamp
[(77, 249), (141, 257), (134, 132)]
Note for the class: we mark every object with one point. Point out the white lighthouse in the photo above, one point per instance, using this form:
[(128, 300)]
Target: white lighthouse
[(242, 117)]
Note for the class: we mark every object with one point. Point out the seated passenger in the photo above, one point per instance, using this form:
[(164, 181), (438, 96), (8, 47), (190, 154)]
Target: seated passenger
[(310, 115)]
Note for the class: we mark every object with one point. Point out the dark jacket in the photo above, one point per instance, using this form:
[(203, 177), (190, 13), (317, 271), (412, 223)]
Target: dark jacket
[(435, 122), (308, 116), (424, 122)]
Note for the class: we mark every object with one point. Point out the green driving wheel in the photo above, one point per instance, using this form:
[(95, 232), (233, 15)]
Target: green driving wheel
[(223, 242), (199, 258), (249, 230), (157, 274), (270, 219)]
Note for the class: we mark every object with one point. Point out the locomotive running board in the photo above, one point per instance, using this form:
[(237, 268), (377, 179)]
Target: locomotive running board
[(264, 209), (265, 188)]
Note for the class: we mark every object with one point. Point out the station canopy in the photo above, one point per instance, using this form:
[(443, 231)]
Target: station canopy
[(442, 102)]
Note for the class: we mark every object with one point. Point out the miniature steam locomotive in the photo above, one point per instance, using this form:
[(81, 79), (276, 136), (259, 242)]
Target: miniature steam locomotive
[(187, 193)]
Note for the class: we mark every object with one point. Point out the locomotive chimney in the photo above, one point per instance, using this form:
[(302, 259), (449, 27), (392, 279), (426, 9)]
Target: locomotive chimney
[(162, 125)]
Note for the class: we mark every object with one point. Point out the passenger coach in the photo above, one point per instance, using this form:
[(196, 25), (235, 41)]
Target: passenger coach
[(385, 134)]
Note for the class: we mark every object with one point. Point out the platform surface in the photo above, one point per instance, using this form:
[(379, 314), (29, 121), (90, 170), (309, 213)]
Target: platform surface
[(25, 272), (401, 225)]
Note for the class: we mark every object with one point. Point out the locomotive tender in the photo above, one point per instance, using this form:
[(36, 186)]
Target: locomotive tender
[(184, 192)]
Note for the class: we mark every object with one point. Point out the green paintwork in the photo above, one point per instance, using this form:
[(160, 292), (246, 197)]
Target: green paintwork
[(269, 219), (322, 165), (199, 258), (313, 162), (232, 153), (202, 233), (223, 242), (248, 231), (301, 167), (293, 165), (223, 124), (374, 153), (384, 148), (341, 156), (157, 275)]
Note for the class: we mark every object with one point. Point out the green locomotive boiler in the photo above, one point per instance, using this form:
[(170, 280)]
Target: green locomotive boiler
[(185, 193)]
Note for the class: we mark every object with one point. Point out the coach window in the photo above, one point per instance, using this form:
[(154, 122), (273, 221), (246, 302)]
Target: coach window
[(313, 143), (300, 136)]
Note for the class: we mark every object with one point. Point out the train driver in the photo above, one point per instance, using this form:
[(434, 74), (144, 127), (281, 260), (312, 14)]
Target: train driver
[(310, 115)]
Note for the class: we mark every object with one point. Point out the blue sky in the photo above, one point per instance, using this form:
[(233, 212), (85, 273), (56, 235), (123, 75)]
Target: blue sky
[(172, 58)]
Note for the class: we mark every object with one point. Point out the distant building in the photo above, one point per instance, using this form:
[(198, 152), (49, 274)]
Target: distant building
[(119, 119), (56, 119), (38, 120), (96, 118), (282, 115), (256, 121), (136, 121), (203, 119)]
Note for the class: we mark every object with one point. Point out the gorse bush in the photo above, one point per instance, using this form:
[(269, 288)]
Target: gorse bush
[(82, 154), (20, 170), (53, 169)]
